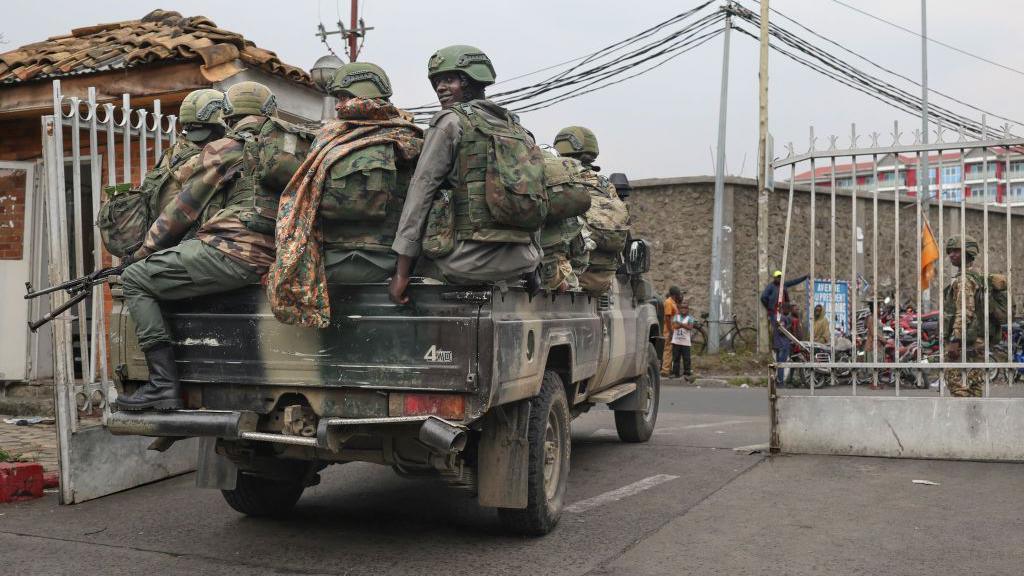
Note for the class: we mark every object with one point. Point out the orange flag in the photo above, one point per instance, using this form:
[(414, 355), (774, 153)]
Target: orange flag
[(929, 256)]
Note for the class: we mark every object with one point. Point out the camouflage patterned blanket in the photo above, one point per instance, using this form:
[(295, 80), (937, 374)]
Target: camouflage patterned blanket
[(297, 282)]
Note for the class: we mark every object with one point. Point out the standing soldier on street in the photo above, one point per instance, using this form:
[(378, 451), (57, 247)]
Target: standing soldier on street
[(233, 249), (339, 214), (965, 328), (483, 244), (608, 217)]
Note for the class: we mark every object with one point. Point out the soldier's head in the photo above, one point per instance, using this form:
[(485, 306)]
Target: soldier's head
[(459, 74), (202, 116), (675, 293), (248, 99), (577, 142), (953, 249), (359, 80)]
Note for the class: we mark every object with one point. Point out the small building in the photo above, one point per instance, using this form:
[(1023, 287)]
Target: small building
[(162, 56)]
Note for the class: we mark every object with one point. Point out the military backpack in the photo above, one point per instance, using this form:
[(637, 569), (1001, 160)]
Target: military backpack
[(568, 193), (608, 221), (501, 195)]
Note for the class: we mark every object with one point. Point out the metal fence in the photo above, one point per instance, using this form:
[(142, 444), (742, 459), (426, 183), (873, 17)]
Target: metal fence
[(95, 144), (879, 350)]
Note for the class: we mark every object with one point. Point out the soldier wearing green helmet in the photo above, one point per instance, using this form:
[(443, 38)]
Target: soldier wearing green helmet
[(246, 170), (965, 318), (486, 237), (607, 220), (352, 193)]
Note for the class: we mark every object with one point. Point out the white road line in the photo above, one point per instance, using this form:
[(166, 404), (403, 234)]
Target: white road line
[(619, 493)]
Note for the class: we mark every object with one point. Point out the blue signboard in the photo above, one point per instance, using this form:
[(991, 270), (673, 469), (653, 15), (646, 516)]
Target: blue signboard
[(822, 294)]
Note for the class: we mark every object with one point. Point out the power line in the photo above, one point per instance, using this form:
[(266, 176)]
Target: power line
[(890, 71), (932, 40)]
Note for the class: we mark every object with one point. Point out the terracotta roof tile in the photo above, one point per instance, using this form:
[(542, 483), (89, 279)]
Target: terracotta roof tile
[(160, 36)]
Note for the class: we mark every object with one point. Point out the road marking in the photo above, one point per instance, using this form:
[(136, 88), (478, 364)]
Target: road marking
[(610, 432), (619, 493)]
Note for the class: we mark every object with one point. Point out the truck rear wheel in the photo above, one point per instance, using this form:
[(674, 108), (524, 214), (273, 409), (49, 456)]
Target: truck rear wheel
[(548, 475), (259, 496), (638, 426)]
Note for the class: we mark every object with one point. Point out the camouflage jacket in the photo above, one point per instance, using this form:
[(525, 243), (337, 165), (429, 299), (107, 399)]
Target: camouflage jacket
[(217, 166), (175, 167), (607, 221), (968, 327), (243, 230), (297, 282)]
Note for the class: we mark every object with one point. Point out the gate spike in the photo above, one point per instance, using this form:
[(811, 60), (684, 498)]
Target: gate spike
[(874, 139), (810, 150), (961, 137), (832, 140), (917, 135), (940, 132), (790, 151), (896, 134), (1006, 130), (853, 136)]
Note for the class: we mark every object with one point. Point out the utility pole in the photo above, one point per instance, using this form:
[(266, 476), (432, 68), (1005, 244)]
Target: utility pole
[(762, 174), (717, 299), (352, 35), (924, 179)]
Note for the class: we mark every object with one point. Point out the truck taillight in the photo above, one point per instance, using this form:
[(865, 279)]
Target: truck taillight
[(448, 406)]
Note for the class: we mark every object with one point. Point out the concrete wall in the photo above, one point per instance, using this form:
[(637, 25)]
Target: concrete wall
[(675, 214), (946, 428)]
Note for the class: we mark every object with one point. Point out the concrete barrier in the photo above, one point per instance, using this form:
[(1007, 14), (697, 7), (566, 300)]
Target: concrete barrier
[(941, 428)]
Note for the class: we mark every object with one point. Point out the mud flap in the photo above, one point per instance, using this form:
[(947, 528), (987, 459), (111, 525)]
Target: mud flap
[(212, 469), (504, 456)]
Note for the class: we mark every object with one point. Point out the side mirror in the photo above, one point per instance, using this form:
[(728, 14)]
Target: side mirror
[(621, 183), (638, 258)]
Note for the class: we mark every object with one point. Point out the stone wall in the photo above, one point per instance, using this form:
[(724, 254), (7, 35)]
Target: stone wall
[(675, 214)]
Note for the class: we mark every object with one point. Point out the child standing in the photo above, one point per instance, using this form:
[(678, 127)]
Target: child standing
[(682, 325)]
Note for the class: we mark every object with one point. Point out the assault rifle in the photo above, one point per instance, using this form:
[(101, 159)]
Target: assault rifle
[(78, 289)]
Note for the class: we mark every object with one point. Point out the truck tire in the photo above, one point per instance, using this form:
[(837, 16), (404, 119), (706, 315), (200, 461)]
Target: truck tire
[(259, 496), (548, 471), (638, 426)]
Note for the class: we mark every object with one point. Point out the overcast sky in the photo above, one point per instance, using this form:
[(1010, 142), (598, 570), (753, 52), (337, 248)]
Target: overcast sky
[(661, 124)]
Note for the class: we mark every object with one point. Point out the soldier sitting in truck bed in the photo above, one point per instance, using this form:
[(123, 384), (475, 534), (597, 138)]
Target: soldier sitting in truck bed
[(482, 232), (338, 215)]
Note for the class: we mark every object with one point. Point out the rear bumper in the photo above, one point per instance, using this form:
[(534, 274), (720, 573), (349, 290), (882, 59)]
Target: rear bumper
[(439, 434)]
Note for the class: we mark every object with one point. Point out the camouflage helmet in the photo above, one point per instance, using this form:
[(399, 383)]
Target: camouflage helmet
[(249, 98), (970, 245), (204, 106), (362, 80), (576, 140), (466, 59)]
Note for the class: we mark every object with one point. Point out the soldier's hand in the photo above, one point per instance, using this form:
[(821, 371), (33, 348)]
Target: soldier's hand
[(397, 287), (953, 351)]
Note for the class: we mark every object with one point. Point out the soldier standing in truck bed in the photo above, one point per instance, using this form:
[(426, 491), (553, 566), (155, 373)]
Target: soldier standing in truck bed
[(233, 249), (467, 240)]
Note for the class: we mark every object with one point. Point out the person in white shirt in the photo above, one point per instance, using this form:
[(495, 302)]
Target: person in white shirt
[(682, 325)]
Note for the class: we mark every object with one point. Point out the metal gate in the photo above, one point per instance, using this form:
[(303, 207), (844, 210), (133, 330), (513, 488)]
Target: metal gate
[(860, 217), (94, 143)]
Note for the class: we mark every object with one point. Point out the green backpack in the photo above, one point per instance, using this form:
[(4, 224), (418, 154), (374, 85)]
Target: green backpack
[(124, 219), (568, 195)]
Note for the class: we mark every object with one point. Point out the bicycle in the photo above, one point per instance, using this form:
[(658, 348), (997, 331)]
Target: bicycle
[(734, 340)]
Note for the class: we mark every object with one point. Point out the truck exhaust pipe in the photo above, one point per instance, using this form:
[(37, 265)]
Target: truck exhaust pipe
[(442, 436)]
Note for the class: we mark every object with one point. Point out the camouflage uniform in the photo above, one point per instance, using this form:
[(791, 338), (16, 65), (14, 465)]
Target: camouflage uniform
[(967, 328), (174, 167), (442, 164), (608, 216), (236, 246)]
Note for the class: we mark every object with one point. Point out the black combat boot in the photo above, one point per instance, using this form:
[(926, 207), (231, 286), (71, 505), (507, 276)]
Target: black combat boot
[(163, 391)]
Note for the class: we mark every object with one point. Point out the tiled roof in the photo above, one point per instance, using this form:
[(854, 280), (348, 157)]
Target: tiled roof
[(159, 37)]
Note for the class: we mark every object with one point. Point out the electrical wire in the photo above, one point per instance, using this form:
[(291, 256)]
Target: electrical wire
[(932, 40), (890, 71)]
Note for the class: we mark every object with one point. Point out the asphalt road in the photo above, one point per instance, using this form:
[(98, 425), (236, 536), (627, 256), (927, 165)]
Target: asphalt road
[(685, 503)]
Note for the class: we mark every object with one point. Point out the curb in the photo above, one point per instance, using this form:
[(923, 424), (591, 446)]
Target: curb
[(20, 481)]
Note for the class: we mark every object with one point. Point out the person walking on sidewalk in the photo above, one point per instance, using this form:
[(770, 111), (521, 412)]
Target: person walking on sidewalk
[(672, 301), (682, 324)]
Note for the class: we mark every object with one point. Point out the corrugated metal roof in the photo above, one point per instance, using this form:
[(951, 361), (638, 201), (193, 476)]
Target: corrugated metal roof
[(158, 38)]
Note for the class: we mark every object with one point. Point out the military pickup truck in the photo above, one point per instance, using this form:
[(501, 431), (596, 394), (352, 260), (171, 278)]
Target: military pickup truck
[(472, 385)]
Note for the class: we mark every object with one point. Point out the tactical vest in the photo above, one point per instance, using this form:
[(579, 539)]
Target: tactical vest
[(608, 221), (558, 237), (363, 198), (156, 180), (500, 194), (272, 152)]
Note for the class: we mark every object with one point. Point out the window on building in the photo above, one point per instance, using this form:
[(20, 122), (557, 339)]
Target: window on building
[(951, 175)]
